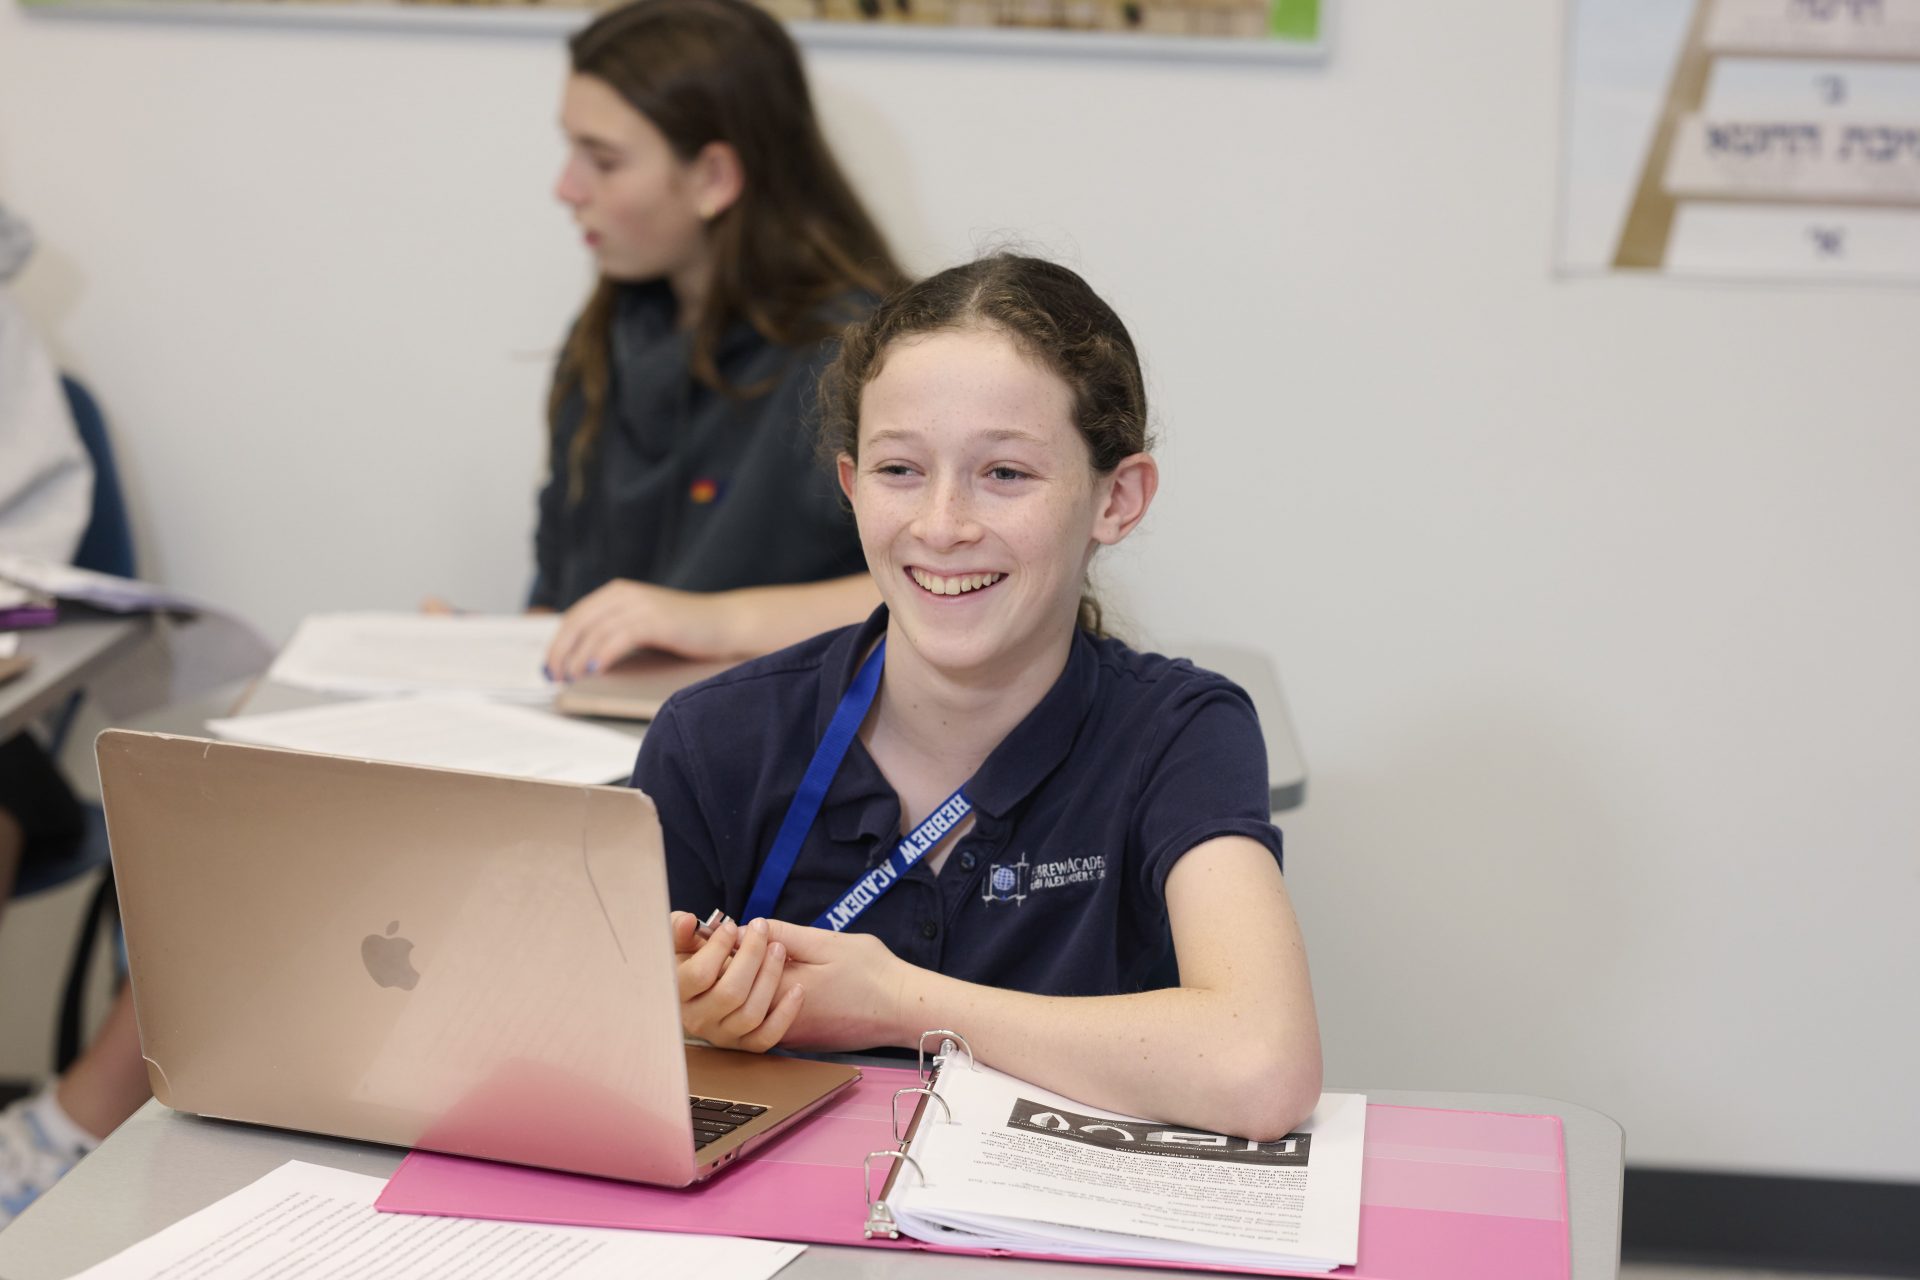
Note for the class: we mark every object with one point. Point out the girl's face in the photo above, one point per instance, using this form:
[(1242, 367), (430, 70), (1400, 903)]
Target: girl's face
[(640, 207), (977, 501)]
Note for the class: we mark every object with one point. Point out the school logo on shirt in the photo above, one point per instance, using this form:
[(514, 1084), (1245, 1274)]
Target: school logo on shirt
[(1065, 871), (1006, 881), (1013, 881), (703, 490)]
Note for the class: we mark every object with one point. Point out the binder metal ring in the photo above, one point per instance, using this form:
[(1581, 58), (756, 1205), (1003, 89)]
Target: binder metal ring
[(894, 1108), (948, 1039), (879, 1216)]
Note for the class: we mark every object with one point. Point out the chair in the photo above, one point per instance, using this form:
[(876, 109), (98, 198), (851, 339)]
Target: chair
[(106, 547), (107, 544)]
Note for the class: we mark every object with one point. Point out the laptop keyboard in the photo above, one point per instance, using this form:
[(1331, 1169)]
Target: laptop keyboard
[(715, 1118)]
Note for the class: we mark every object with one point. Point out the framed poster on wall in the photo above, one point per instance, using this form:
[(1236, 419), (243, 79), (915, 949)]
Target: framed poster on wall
[(1251, 29)]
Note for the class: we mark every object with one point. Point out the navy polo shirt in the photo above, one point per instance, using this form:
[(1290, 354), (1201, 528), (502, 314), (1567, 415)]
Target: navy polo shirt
[(1129, 761)]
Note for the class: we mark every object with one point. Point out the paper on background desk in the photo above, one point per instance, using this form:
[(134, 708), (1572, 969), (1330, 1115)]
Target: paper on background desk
[(493, 656), (447, 733), (320, 1224), (183, 656), (84, 586)]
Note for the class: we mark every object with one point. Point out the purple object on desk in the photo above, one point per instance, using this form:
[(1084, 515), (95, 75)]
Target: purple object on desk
[(28, 615)]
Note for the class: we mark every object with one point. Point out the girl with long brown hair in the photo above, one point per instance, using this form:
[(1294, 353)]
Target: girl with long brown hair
[(683, 509)]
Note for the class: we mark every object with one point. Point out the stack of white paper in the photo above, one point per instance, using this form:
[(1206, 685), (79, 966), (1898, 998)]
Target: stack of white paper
[(1003, 1164), (398, 653), (482, 737), (317, 1223)]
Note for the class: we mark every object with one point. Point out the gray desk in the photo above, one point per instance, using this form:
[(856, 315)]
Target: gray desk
[(65, 656), (1248, 668), (161, 1166)]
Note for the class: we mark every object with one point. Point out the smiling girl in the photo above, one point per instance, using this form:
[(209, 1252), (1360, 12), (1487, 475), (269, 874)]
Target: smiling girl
[(975, 810), (683, 510)]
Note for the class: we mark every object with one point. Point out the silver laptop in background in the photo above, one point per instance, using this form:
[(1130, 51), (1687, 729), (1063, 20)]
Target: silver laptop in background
[(422, 957)]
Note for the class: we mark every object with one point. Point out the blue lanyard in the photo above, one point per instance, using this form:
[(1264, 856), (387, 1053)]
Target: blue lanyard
[(914, 846)]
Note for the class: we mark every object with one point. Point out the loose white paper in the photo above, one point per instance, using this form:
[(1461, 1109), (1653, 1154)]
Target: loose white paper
[(320, 1224), (446, 733), (396, 653)]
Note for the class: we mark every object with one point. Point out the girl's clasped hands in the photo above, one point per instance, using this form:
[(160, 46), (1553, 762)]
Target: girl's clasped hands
[(770, 983)]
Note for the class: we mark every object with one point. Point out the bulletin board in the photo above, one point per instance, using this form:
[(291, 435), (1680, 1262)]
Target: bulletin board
[(1241, 29)]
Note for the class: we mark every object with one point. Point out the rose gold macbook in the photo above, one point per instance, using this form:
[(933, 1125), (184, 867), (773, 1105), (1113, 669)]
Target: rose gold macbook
[(423, 957)]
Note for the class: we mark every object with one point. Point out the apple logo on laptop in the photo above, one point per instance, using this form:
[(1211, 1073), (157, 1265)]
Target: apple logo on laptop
[(387, 959)]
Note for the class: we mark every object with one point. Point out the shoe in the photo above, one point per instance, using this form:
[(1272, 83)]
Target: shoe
[(38, 1144)]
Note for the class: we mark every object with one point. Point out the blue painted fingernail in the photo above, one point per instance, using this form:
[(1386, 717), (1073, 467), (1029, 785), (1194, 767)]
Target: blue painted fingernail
[(546, 671), (593, 666)]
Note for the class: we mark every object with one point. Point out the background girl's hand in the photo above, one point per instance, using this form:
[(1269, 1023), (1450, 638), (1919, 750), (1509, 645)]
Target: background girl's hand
[(853, 988), (623, 617), (731, 994)]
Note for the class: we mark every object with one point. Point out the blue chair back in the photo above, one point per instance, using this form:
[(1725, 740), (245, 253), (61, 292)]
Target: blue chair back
[(107, 547), (108, 544)]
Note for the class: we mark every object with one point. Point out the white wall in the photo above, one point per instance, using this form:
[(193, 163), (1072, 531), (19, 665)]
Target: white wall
[(1595, 600)]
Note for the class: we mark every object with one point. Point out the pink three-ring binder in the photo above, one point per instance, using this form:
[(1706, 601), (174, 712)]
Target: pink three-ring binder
[(1445, 1195)]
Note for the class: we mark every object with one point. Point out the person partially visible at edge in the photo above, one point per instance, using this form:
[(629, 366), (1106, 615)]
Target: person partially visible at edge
[(684, 508), (1085, 818), (46, 499)]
